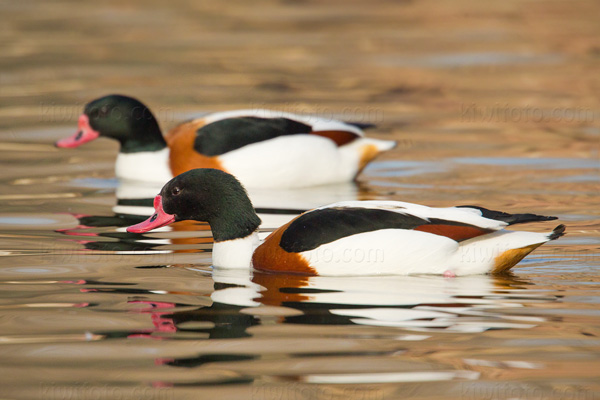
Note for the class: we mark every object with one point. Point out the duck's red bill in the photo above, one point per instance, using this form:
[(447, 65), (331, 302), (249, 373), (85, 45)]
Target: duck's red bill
[(85, 133), (158, 219)]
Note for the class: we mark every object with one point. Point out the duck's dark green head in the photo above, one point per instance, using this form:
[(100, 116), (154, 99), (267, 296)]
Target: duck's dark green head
[(207, 195), (118, 117)]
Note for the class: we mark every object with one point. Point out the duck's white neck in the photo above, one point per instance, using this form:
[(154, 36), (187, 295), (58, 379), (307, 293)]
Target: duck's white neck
[(235, 253), (144, 166)]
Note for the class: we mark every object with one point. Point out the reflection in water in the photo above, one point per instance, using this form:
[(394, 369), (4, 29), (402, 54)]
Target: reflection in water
[(87, 234), (240, 305), (184, 326), (420, 303), (88, 313), (135, 202), (77, 289), (243, 303), (136, 198)]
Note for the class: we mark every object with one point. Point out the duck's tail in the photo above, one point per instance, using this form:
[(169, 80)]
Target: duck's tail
[(509, 258), (370, 148), (498, 252), (510, 219), (557, 232)]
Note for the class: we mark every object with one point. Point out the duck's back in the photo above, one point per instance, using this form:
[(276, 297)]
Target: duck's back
[(371, 237), (387, 237), (270, 149)]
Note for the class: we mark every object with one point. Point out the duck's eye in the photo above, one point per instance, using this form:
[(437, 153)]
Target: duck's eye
[(175, 191)]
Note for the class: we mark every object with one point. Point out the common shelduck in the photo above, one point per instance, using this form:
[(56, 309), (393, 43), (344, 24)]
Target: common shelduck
[(262, 148), (347, 238)]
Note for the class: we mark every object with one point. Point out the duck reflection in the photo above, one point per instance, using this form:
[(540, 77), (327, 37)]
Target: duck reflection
[(241, 299), (230, 304), (465, 304)]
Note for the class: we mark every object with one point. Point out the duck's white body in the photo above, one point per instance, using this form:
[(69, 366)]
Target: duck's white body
[(286, 161), (298, 161), (405, 251), (145, 166), (235, 254)]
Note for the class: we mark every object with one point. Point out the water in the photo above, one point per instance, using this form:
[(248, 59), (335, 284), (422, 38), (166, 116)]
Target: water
[(89, 311), (495, 107)]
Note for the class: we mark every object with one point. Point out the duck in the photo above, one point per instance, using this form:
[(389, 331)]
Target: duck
[(262, 148), (349, 238)]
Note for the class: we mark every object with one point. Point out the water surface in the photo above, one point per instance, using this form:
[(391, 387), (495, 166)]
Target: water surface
[(93, 312), (494, 105)]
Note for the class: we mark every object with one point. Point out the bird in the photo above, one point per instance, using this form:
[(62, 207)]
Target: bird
[(349, 238), (262, 148)]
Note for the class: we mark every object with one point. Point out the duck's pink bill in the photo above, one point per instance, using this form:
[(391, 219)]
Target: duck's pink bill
[(85, 133), (158, 219)]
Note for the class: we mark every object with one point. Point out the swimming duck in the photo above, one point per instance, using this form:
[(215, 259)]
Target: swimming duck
[(347, 238), (262, 148)]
